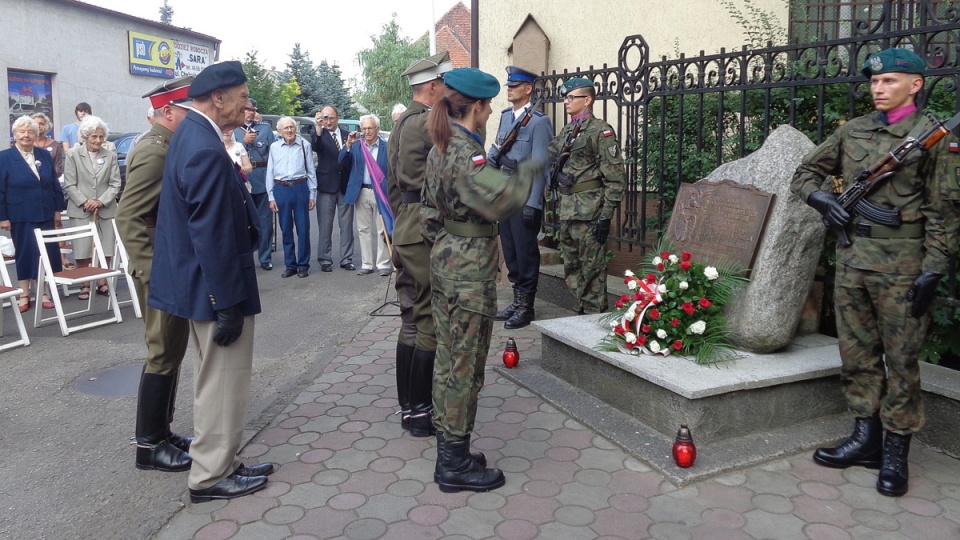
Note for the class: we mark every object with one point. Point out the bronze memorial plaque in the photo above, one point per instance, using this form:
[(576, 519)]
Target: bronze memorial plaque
[(720, 221)]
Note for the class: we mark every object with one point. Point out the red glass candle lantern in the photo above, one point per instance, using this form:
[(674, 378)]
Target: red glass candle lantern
[(510, 354), (684, 451)]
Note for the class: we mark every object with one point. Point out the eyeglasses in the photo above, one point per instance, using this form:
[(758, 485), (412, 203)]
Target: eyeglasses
[(568, 97), (327, 117), (288, 128), (368, 129)]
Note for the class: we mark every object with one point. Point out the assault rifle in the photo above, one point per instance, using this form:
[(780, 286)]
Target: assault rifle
[(563, 156), (511, 137), (853, 199)]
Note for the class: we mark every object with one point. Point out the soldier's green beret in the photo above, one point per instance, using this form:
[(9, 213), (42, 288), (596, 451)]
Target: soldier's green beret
[(894, 60), (472, 82), (575, 83)]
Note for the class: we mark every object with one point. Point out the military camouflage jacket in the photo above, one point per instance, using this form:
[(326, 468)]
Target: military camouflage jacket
[(460, 186), (595, 155), (921, 190)]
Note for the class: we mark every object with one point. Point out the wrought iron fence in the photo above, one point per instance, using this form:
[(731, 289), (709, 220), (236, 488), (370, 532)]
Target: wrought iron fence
[(680, 118)]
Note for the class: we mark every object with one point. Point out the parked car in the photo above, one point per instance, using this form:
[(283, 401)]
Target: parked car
[(123, 143)]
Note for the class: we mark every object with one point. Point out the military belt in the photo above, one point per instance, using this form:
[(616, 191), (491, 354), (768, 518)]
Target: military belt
[(291, 182), (410, 197), (582, 186), (471, 230), (259, 163), (874, 230)]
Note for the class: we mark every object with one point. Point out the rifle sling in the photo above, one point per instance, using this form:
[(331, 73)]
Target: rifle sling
[(582, 186), (874, 230)]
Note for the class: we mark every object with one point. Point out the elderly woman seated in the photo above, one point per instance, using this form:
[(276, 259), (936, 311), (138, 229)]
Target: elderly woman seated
[(30, 198), (91, 182)]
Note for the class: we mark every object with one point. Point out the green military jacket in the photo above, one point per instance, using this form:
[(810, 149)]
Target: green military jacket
[(140, 200), (595, 156), (921, 190), (461, 187), (407, 152)]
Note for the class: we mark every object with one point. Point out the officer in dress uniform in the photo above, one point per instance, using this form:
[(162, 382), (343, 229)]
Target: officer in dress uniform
[(158, 448), (518, 233), (591, 186), (887, 278), (257, 138)]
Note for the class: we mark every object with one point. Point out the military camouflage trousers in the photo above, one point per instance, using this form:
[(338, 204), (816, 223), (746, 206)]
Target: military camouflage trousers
[(880, 346), (584, 265), (463, 312)]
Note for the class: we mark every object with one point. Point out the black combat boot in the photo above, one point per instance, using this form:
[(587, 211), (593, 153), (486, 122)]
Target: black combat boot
[(892, 480), (404, 360), (181, 442), (456, 471), (508, 311), (420, 423), (864, 447), (524, 313), (154, 449), (477, 458)]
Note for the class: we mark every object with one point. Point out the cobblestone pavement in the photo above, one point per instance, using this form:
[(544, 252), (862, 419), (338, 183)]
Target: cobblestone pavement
[(347, 472)]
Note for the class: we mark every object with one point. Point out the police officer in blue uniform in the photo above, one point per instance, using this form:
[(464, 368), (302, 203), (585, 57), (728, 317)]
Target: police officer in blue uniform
[(518, 234), (257, 138)]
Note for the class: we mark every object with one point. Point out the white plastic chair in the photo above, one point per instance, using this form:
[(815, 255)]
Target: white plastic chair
[(121, 262), (74, 277), (11, 295)]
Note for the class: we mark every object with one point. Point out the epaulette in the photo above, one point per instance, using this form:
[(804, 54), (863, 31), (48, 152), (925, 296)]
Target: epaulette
[(538, 113), (505, 111)]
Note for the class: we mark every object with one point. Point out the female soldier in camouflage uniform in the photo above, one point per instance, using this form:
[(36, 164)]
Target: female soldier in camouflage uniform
[(462, 200)]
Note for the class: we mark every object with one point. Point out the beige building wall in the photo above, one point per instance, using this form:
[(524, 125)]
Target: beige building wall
[(590, 32)]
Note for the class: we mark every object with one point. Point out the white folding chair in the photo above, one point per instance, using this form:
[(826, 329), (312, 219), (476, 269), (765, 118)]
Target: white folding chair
[(74, 277), (121, 262), (12, 294)]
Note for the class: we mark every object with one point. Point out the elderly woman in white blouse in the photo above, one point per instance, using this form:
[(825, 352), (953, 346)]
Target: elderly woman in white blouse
[(91, 182)]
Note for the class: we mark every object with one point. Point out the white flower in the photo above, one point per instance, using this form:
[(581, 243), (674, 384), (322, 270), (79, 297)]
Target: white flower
[(662, 288), (630, 337), (654, 346), (684, 285), (711, 273), (614, 323), (628, 273), (697, 327), (674, 259), (662, 334), (657, 260), (632, 285), (630, 315)]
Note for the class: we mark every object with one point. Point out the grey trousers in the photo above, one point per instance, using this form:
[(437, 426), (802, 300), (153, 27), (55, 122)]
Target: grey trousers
[(329, 204)]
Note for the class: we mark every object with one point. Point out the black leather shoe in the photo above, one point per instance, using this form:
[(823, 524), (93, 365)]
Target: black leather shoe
[(349, 266), (326, 268), (266, 266), (385, 273), (364, 271), (289, 272), (162, 457), (230, 487), (264, 469), (303, 273)]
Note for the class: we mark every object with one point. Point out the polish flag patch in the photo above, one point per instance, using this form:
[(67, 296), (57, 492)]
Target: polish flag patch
[(479, 159), (954, 148), (607, 133)]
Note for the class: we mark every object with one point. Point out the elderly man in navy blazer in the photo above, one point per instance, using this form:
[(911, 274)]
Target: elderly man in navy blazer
[(203, 270), (366, 160), (328, 141)]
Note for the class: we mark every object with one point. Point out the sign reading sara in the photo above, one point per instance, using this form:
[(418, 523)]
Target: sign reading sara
[(151, 55), (191, 58)]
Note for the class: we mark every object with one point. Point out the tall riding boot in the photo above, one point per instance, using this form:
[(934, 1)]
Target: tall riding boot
[(154, 450), (421, 394), (524, 313), (181, 442), (864, 447), (404, 361), (892, 480), (508, 311), (456, 471)]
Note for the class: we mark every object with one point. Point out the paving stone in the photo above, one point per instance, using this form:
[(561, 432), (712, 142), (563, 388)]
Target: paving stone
[(244, 509), (686, 492), (919, 507), (516, 529), (331, 477), (431, 494), (524, 449), (593, 477), (478, 523), (534, 509), (867, 533), (822, 531), (761, 524), (419, 469), (386, 507), (951, 491), (806, 469), (596, 458), (951, 509), (206, 508), (663, 509), (732, 479), (566, 532), (486, 501), (775, 504), (914, 526), (640, 483), (722, 517), (322, 424), (368, 482), (351, 460), (737, 499), (552, 470), (867, 498), (407, 529), (575, 516), (669, 531), (633, 464), (876, 520), (308, 496), (860, 476), (619, 522), (261, 531), (713, 532), (281, 454), (273, 489), (831, 512), (770, 482), (283, 515)]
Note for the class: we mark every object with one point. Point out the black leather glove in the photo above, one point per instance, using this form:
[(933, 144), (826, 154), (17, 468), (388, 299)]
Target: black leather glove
[(829, 208), (922, 293), (491, 156), (229, 326), (531, 218), (602, 230)]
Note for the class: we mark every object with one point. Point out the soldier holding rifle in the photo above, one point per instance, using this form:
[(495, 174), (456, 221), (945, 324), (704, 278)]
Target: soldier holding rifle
[(893, 250)]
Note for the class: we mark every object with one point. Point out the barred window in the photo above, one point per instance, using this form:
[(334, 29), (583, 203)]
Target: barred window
[(816, 20)]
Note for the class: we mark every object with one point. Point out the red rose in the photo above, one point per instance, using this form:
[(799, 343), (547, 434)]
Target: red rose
[(677, 345), (645, 328), (641, 341), (704, 303), (626, 280), (653, 314), (618, 304), (688, 308), (660, 267), (664, 254), (629, 345), (651, 278), (619, 329), (625, 298), (674, 322), (638, 296), (685, 256), (685, 265)]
